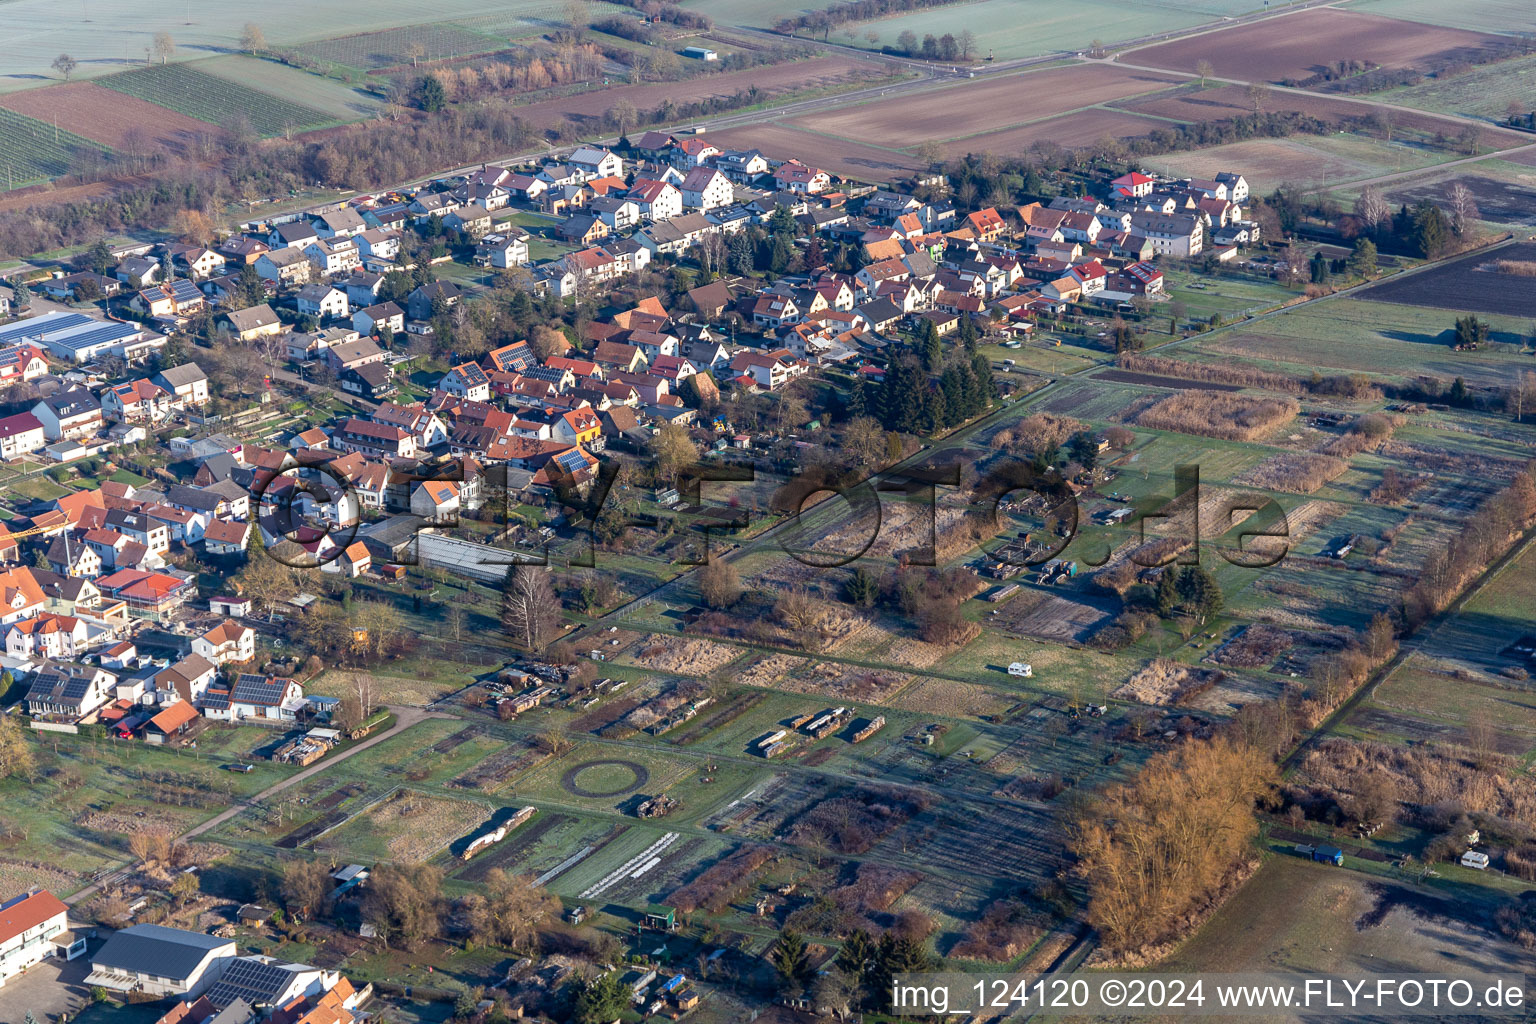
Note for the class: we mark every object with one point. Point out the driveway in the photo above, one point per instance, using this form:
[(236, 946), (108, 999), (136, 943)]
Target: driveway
[(52, 988)]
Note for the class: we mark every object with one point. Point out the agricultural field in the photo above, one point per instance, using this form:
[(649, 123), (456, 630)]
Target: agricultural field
[(1502, 190), (1487, 634), (837, 156), (1429, 699), (1009, 29), (214, 100), (31, 149), (1484, 91), (997, 103), (1476, 15), (1082, 128), (1484, 282), (108, 38), (371, 51), (1219, 102), (327, 96), (1383, 339), (1295, 45), (1307, 160), (1297, 916)]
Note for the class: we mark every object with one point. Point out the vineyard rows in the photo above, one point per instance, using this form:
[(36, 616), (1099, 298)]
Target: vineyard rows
[(31, 149), (213, 99)]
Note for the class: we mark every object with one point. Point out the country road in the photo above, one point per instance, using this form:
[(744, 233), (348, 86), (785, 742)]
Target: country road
[(405, 717)]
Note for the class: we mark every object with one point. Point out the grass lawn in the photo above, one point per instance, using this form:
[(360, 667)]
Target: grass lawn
[(39, 487)]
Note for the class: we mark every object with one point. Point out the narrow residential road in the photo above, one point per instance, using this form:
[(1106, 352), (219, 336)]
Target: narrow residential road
[(405, 717)]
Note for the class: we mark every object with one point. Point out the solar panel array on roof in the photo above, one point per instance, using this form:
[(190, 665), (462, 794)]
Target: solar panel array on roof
[(83, 337), (255, 981), (255, 689), (571, 462), (41, 326)]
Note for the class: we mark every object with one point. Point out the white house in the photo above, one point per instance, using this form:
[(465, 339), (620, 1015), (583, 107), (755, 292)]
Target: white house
[(706, 188), (228, 641), (21, 434), (658, 200), (595, 162), (256, 697), (29, 925), (321, 300)]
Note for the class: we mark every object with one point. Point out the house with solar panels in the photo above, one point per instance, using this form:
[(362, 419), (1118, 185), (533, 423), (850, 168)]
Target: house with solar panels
[(255, 698)]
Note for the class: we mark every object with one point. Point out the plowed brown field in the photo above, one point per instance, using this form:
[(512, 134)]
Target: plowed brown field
[(987, 106), (106, 116), (1300, 45)]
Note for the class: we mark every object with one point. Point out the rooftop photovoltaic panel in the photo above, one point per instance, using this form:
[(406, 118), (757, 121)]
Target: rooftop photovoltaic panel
[(45, 325)]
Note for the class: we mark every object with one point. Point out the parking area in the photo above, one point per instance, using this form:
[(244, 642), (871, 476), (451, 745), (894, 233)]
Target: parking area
[(49, 990)]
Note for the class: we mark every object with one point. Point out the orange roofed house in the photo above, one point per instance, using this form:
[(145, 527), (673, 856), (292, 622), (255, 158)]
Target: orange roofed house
[(34, 926)]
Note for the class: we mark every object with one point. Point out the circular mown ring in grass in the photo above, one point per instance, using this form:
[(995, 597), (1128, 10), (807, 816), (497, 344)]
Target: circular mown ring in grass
[(605, 779)]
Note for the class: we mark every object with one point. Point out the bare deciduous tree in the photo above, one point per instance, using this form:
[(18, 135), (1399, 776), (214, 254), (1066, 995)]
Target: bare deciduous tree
[(530, 611)]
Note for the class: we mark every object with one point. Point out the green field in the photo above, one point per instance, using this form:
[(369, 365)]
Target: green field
[(1474, 15), (1484, 91), (31, 150), (371, 50), (334, 99), (214, 99), (1377, 338), (1007, 29), (106, 38)]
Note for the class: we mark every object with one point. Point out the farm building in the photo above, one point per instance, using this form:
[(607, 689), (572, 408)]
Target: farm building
[(700, 53)]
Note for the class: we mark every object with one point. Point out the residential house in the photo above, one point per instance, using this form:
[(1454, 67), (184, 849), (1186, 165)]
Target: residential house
[(582, 229), (21, 363), (505, 248), (148, 593), (617, 212), (69, 414), (372, 320), (321, 300), (138, 272), (706, 188), (227, 642), (371, 380), (57, 637), (186, 382), (333, 256), (657, 200), (692, 152), (349, 355), (794, 176), (1171, 234), (255, 697), (254, 322), (468, 381), (33, 927), (226, 537), (742, 166), (68, 691), (423, 303), (284, 267), (21, 435), (359, 435), (343, 222), (766, 369), (474, 220), (595, 162)]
